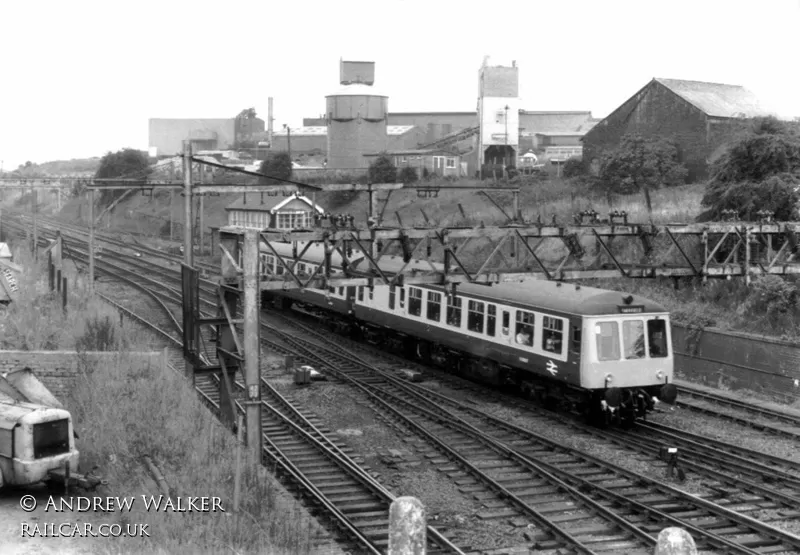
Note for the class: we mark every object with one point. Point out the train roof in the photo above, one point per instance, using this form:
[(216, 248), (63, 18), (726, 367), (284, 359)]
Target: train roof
[(568, 298)]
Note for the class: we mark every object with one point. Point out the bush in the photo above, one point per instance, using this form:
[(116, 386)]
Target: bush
[(128, 163), (99, 335), (777, 194), (408, 175), (279, 166), (771, 295), (573, 167), (382, 170)]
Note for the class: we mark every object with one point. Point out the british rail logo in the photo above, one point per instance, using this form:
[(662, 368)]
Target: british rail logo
[(150, 503)]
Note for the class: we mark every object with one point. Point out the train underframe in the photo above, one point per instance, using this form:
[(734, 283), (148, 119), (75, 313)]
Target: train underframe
[(601, 407)]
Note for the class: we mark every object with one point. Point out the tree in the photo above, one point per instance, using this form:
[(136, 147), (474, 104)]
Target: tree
[(760, 171), (573, 167), (278, 165), (126, 163), (641, 164), (382, 170)]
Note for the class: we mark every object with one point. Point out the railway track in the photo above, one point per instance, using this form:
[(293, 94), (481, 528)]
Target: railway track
[(596, 531), (528, 458)]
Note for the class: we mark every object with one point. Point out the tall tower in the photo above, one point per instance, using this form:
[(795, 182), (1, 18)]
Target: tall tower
[(498, 114), (356, 116)]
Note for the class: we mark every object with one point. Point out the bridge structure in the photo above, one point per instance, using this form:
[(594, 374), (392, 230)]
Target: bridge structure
[(586, 247)]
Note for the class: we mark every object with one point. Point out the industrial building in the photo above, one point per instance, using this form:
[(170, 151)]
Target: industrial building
[(166, 136), (702, 119)]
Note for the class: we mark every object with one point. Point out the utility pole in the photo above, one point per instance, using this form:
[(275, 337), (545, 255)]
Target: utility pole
[(252, 349), (201, 239), (187, 203), (91, 241), (34, 207), (288, 140), (171, 196)]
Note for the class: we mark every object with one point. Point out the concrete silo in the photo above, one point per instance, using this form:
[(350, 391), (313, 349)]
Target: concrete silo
[(357, 115)]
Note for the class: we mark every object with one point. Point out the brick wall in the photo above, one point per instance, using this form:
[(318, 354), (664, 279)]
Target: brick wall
[(655, 112), (57, 369)]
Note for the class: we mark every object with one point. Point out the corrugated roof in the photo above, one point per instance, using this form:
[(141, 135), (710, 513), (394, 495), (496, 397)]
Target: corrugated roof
[(717, 99), (323, 131), (552, 122), (416, 152)]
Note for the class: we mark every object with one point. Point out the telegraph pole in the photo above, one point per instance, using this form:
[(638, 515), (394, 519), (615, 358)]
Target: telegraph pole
[(171, 196), (34, 199), (187, 203), (91, 241)]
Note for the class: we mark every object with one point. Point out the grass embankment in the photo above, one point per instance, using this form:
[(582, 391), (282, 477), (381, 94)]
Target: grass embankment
[(124, 410)]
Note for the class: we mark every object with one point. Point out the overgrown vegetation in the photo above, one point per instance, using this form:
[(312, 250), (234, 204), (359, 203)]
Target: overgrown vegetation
[(278, 165), (408, 175), (759, 172), (382, 170), (641, 164), (126, 407), (125, 163)]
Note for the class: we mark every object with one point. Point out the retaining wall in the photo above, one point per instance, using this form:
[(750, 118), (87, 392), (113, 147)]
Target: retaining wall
[(734, 360), (58, 369)]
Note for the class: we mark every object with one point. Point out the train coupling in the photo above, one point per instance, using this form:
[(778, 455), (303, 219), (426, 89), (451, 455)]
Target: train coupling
[(68, 479)]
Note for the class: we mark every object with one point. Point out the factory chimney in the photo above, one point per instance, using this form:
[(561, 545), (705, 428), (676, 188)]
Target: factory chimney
[(269, 122)]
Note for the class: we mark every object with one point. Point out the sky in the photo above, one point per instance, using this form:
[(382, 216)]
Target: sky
[(80, 78)]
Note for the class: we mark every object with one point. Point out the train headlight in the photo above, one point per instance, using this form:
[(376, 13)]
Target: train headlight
[(609, 379), (660, 375)]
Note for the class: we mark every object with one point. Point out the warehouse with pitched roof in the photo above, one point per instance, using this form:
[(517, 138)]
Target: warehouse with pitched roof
[(702, 118)]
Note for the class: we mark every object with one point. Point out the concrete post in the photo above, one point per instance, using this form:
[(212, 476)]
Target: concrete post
[(187, 203), (252, 348), (91, 241), (407, 527), (675, 541)]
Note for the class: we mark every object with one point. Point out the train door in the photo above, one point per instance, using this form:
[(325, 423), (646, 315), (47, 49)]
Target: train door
[(350, 295)]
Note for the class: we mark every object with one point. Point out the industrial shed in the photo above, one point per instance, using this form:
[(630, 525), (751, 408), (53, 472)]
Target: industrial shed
[(440, 162), (702, 118)]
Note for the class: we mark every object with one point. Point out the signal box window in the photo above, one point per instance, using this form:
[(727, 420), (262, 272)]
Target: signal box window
[(657, 338), (414, 301), (475, 312), (607, 334), (506, 322), (525, 326), (391, 297), (552, 334), (434, 306), (633, 338), (454, 311), (361, 293), (491, 319)]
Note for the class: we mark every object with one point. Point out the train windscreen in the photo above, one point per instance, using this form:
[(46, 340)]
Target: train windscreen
[(50, 438)]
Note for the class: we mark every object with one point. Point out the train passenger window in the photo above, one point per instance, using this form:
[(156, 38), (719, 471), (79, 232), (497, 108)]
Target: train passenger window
[(576, 338), (371, 293), (633, 338), (301, 268), (525, 326), (434, 306), (552, 334), (491, 319), (607, 334), (454, 311), (657, 338), (475, 316), (279, 269), (391, 297), (361, 293), (332, 290), (402, 297), (414, 301), (506, 322), (341, 291)]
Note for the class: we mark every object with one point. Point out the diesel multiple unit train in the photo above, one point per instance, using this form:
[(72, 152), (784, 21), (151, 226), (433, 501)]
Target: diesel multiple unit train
[(602, 352)]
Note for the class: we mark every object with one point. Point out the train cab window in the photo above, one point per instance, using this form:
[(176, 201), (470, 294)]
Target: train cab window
[(576, 338), (552, 334), (402, 297), (506, 322), (475, 314), (454, 311), (414, 301), (657, 338), (434, 306), (525, 326), (491, 319), (361, 294), (391, 297), (607, 335), (633, 339)]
